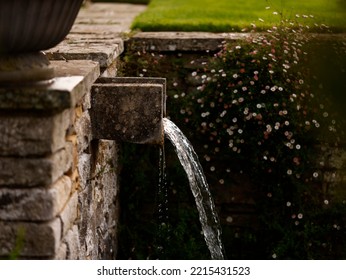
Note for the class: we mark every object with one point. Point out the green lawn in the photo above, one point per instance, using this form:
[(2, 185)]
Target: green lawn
[(235, 15)]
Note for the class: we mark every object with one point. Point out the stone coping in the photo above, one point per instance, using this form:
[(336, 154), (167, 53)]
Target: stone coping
[(198, 41), (182, 41), (97, 33), (72, 80)]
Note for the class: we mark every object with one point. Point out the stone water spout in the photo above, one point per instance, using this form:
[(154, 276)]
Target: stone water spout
[(129, 109), (133, 110)]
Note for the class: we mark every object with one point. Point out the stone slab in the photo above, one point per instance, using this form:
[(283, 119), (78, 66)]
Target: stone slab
[(110, 13), (61, 254), (38, 204), (73, 80), (32, 239), (97, 33), (18, 138), (97, 48), (127, 111), (31, 172), (73, 244), (69, 214), (182, 41)]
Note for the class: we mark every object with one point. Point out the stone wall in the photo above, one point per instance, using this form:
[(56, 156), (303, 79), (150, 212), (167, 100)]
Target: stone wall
[(58, 189), (58, 185)]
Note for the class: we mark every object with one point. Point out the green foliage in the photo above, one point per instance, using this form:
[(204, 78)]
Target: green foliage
[(234, 15), (267, 108), (259, 106)]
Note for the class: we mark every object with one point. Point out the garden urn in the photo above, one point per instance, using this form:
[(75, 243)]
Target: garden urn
[(28, 27)]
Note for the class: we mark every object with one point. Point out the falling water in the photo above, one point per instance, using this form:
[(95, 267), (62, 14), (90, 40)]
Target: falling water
[(162, 200), (207, 214)]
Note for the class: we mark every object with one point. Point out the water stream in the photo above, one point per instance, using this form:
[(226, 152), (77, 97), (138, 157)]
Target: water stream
[(205, 205)]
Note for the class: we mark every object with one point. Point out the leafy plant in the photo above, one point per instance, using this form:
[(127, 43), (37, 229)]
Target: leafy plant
[(263, 109), (258, 107)]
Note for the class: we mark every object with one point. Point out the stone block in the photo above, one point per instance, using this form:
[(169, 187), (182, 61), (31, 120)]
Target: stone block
[(73, 80), (72, 242), (30, 239), (37, 204), (69, 214), (182, 41), (83, 130), (30, 172), (98, 49), (127, 110), (61, 253), (32, 134)]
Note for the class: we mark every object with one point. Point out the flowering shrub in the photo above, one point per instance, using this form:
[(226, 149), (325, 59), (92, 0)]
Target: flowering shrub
[(261, 109), (258, 106)]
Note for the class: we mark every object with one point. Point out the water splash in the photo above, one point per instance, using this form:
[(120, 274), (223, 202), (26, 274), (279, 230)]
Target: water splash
[(207, 214)]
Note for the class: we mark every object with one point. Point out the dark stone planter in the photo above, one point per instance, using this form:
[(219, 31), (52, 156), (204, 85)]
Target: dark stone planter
[(34, 25), (30, 26)]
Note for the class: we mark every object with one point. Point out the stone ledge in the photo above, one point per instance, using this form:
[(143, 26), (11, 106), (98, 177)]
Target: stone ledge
[(100, 49), (97, 33), (197, 41), (181, 41), (73, 80)]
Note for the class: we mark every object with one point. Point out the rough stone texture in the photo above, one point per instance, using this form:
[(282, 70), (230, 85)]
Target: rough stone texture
[(19, 139), (61, 254), (72, 244), (62, 93), (98, 201), (38, 204), (30, 172), (69, 214), (97, 34), (103, 49), (33, 239), (127, 111), (182, 41)]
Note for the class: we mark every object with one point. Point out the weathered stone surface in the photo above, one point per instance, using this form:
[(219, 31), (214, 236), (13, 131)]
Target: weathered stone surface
[(38, 204), (33, 239), (61, 253), (30, 172), (98, 201), (97, 33), (182, 41), (127, 111), (32, 134), (69, 214), (65, 91), (101, 50), (73, 244), (83, 130)]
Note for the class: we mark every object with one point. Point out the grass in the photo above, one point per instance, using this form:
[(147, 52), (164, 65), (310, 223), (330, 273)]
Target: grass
[(235, 15)]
